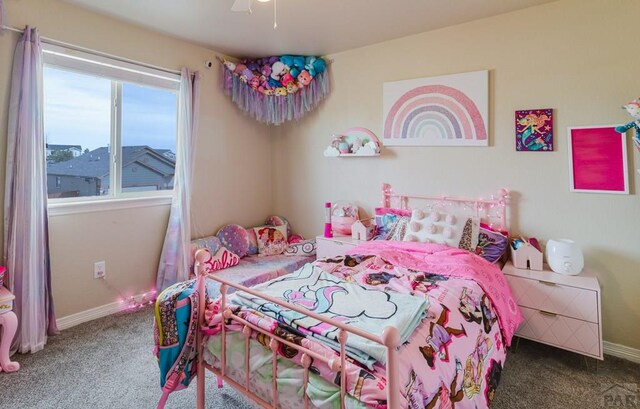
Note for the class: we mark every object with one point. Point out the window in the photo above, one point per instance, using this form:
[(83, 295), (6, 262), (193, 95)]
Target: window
[(110, 127)]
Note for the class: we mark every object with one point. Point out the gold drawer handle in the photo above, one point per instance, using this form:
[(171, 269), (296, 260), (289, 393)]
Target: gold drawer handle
[(548, 314), (549, 283)]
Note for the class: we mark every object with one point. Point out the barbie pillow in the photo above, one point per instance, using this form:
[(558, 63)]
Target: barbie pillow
[(211, 243), (221, 260), (301, 248), (272, 240)]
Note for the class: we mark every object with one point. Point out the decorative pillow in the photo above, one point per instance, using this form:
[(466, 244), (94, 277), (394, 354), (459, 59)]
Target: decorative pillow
[(386, 218), (253, 242), (235, 238), (272, 240), (399, 229), (444, 228), (295, 238), (211, 243), (492, 245), (279, 221), (222, 259), (302, 248)]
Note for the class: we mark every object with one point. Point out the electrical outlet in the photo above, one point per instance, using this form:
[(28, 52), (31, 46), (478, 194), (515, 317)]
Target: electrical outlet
[(99, 269)]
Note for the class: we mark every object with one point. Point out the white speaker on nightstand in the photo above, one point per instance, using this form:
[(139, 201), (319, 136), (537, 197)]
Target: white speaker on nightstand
[(564, 256)]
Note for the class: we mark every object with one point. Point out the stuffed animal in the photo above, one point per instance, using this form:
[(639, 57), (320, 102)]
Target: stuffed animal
[(309, 65), (633, 108), (337, 139), (240, 68), (356, 145), (277, 69), (304, 78), (247, 75), (231, 66), (254, 82), (287, 60), (281, 91), (266, 70), (292, 88), (286, 79), (253, 66)]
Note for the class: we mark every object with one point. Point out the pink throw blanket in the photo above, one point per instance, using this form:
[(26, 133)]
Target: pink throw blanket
[(448, 261)]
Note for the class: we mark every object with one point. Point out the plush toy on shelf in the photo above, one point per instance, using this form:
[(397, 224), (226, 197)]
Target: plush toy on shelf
[(354, 142)]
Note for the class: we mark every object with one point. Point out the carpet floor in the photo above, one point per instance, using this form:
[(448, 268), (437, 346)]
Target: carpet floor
[(108, 363)]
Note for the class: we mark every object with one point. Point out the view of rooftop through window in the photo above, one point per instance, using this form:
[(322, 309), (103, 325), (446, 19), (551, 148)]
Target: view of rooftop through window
[(79, 113)]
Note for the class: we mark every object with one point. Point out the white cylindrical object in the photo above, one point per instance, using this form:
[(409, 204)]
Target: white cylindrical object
[(564, 256)]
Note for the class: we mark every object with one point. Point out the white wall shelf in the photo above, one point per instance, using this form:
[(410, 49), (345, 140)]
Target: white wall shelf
[(359, 141)]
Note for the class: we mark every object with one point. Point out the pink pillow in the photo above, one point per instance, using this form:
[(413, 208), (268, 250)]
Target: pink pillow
[(253, 242), (235, 238), (398, 212), (221, 260), (279, 221), (272, 240)]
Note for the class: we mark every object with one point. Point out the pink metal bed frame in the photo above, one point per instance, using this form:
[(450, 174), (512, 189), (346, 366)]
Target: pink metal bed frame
[(492, 211)]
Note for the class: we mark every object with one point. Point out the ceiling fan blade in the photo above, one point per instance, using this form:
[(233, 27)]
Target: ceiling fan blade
[(241, 5)]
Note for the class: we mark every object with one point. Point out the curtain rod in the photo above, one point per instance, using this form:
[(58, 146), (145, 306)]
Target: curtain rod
[(94, 52)]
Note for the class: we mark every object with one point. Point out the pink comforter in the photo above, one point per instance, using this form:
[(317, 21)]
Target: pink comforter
[(444, 260), (454, 358)]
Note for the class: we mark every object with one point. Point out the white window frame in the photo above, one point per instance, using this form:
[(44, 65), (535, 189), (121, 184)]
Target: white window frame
[(118, 71)]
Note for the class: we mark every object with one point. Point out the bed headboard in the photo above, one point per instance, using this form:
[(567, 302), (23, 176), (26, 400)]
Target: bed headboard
[(492, 210)]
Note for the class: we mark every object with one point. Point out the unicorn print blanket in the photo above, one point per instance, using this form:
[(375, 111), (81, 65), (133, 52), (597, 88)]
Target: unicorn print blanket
[(369, 309)]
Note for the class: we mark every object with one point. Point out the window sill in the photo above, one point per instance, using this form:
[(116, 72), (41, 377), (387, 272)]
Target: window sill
[(61, 209)]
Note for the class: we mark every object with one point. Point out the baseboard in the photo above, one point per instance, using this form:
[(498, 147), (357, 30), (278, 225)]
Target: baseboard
[(621, 351), (93, 314)]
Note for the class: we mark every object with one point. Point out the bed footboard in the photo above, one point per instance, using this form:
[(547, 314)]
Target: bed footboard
[(390, 338)]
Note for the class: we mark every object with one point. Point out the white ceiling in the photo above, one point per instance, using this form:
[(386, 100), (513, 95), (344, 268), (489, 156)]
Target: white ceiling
[(308, 27)]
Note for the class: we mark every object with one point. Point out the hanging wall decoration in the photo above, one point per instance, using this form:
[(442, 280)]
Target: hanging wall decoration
[(449, 110), (274, 90), (534, 130)]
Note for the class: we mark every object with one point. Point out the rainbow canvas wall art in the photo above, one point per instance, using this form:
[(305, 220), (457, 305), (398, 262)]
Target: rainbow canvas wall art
[(449, 110)]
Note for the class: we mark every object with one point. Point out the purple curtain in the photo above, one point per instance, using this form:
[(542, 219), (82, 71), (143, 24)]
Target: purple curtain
[(3, 15), (174, 261), (26, 233)]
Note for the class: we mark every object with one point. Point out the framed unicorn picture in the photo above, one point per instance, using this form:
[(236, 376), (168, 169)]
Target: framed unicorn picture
[(448, 110)]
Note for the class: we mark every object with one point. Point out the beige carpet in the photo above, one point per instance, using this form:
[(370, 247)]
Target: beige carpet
[(108, 363)]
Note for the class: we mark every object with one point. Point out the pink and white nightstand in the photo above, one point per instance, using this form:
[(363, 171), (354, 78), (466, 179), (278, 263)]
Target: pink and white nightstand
[(8, 327)]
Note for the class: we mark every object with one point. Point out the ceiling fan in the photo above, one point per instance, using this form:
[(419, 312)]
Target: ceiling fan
[(245, 6)]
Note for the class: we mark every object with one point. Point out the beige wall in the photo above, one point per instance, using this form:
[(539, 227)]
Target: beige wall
[(576, 56), (231, 184)]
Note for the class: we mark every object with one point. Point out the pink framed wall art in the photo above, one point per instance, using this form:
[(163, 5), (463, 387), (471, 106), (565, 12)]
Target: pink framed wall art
[(448, 110), (598, 160)]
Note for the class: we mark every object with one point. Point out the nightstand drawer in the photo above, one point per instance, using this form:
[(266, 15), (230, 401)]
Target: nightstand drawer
[(560, 331), (572, 302)]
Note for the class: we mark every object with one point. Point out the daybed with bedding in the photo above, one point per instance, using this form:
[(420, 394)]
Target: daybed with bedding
[(394, 324)]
